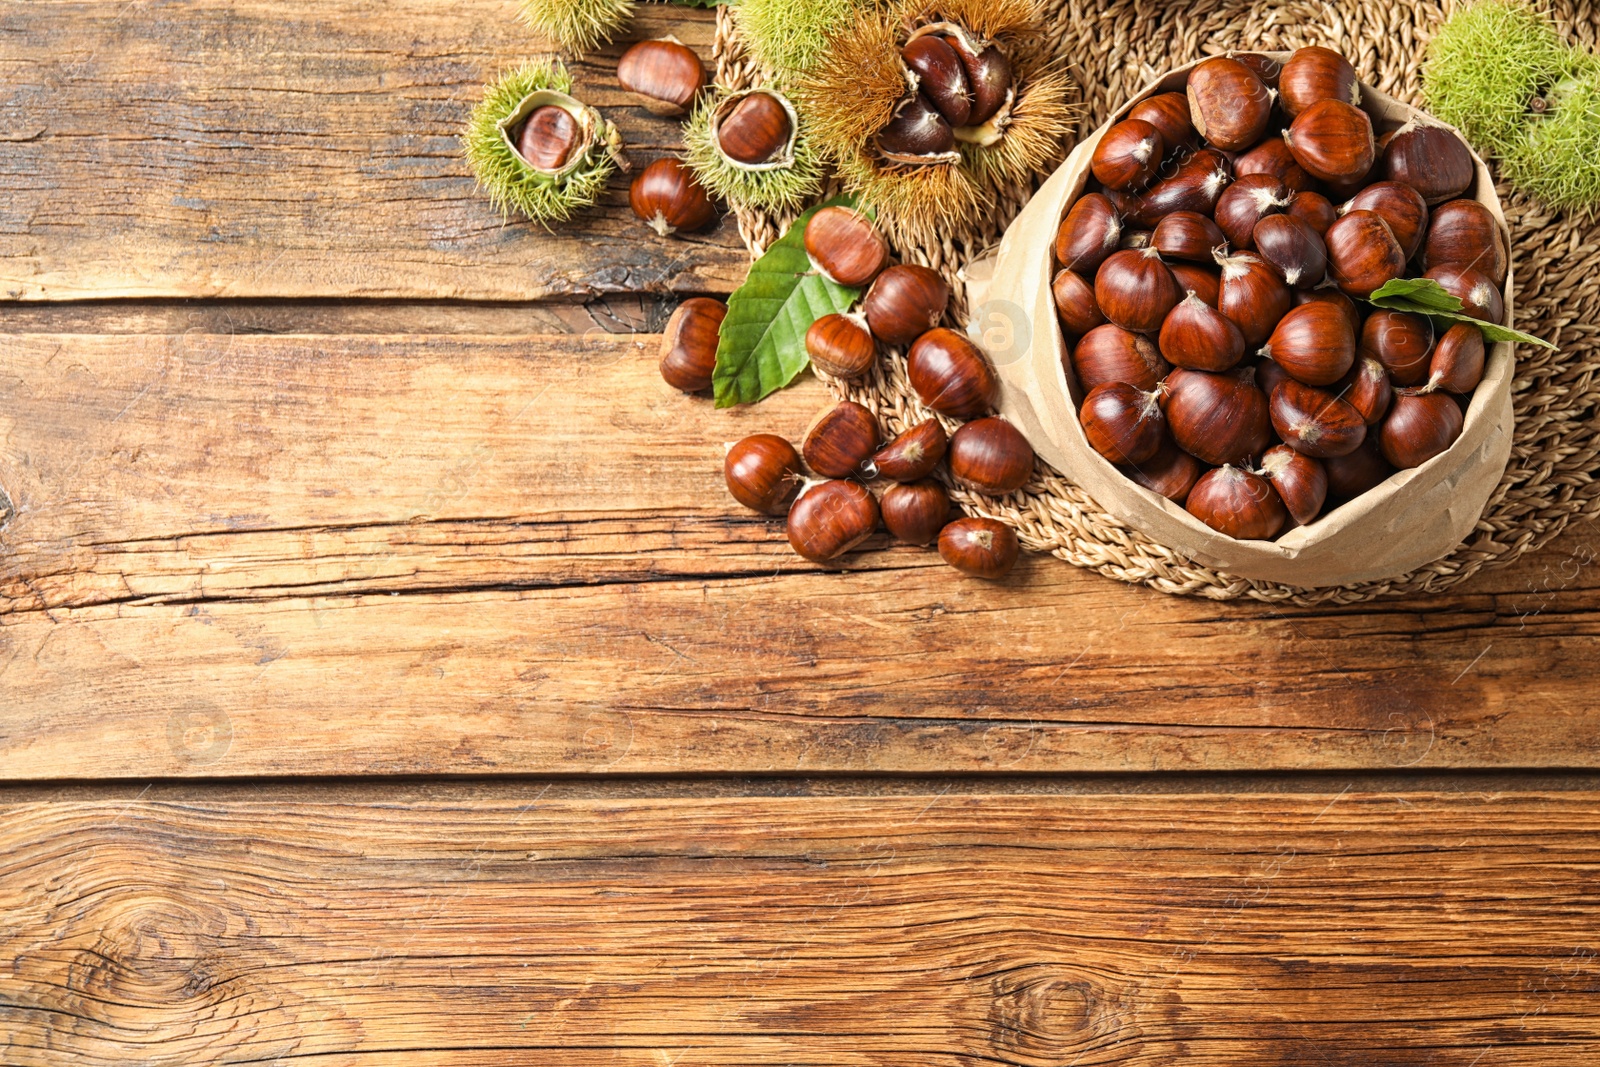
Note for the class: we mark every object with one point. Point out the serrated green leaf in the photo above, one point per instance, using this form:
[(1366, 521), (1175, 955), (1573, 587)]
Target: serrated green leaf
[(762, 347), (1424, 296)]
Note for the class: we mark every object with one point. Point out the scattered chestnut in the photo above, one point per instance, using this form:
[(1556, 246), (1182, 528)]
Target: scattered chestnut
[(1313, 343), (1478, 294), (1246, 202), (841, 346), (991, 456), (1187, 235), (845, 247), (1315, 422), (1218, 418), (1363, 253), (1273, 158), (1300, 482), (982, 548), (1075, 304), (1128, 155), (1314, 209), (1400, 341), (1316, 73), (989, 75), (1171, 472), (1197, 336), (665, 73), (950, 374), (1457, 363), (1253, 295), (689, 345), (904, 303), (1351, 475), (755, 129), (548, 138), (1418, 427), (1465, 233), (669, 198), (1088, 234), (1228, 103), (1122, 423), (941, 77), (840, 440), (917, 133), (1194, 185), (1399, 205), (1430, 159), (1366, 388), (1135, 290), (1169, 113), (912, 455), (1334, 297), (1332, 140), (1294, 247), (1204, 282), (762, 472), (1111, 354), (830, 519), (1237, 502), (915, 512)]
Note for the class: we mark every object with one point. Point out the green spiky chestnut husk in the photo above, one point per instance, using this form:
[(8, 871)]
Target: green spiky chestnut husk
[(782, 184), (512, 182), (1559, 163), (786, 37), (576, 26)]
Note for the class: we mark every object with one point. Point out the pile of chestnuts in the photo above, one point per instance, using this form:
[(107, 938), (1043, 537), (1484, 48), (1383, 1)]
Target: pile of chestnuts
[(857, 479), (960, 91), (1211, 285)]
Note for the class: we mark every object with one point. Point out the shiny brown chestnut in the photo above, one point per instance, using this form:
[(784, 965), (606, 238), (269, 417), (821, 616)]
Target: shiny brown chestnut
[(1314, 209), (1253, 295), (830, 519), (1364, 469), (950, 374), (841, 345), (1135, 290), (756, 129), (1332, 140), (1300, 481), (1228, 103), (1128, 155), (1313, 343), (1294, 247), (1401, 206), (1362, 253), (991, 456), (1273, 158), (1458, 359), (1315, 422), (1366, 388), (1419, 426), (1263, 66), (913, 455), (1089, 233), (1430, 159), (665, 73), (990, 76), (845, 247), (1268, 375), (1400, 341), (1194, 185), (1075, 304), (1478, 294), (941, 77), (1169, 113), (1187, 235), (841, 440), (1334, 297), (1465, 233), (1246, 202), (689, 345), (1237, 502), (1111, 354), (667, 196), (1315, 73), (917, 133), (548, 138), (1218, 418), (1122, 423), (1135, 239), (1204, 282), (904, 303), (981, 548), (1197, 336), (915, 512), (1171, 472), (763, 472)]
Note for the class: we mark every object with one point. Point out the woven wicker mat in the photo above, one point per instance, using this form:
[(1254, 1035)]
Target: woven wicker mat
[(1113, 50)]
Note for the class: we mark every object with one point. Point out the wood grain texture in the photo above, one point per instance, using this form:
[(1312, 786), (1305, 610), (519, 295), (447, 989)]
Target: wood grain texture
[(257, 148), (514, 555), (1346, 929)]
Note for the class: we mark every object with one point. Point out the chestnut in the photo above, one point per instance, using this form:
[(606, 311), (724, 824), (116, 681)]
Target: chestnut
[(917, 133), (941, 77), (1187, 235), (915, 512), (1228, 103), (1253, 295), (1273, 158), (1135, 239), (1465, 233), (669, 198), (1218, 418), (1400, 341), (841, 440), (1457, 363), (1334, 297), (1294, 247), (1314, 209), (756, 129), (1088, 234), (1401, 206), (1111, 354), (1332, 140), (1478, 294), (950, 374), (845, 247), (548, 138), (1128, 155), (1238, 503), (904, 303), (991, 456), (912, 455), (1315, 422), (1268, 375), (1300, 482), (1362, 253), (1122, 423), (1430, 159), (1315, 73), (1171, 472), (1194, 185), (1169, 113), (830, 519), (1135, 290), (665, 73), (1204, 282), (989, 75), (982, 548), (762, 472), (1197, 336), (1351, 475), (1075, 304), (1247, 201), (842, 346), (1264, 67), (1418, 427), (689, 345), (1366, 388), (1313, 343)]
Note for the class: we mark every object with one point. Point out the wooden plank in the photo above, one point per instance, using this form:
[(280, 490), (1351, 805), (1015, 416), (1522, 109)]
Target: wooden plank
[(514, 555), (256, 148), (1352, 928)]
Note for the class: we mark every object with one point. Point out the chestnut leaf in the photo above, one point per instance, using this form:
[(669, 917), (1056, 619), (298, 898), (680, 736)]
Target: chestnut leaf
[(763, 342), (1424, 296)]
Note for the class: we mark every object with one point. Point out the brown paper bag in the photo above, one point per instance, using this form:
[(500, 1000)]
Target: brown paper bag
[(1414, 518)]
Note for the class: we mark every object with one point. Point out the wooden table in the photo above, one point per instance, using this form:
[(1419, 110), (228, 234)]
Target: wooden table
[(385, 677)]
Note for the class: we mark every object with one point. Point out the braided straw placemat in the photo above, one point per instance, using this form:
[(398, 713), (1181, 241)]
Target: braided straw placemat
[(1113, 49)]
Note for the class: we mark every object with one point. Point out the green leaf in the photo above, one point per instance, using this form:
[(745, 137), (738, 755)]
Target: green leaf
[(763, 337), (1424, 296)]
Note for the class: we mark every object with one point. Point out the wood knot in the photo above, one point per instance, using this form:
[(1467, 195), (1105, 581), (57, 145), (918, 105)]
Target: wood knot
[(1043, 1014)]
